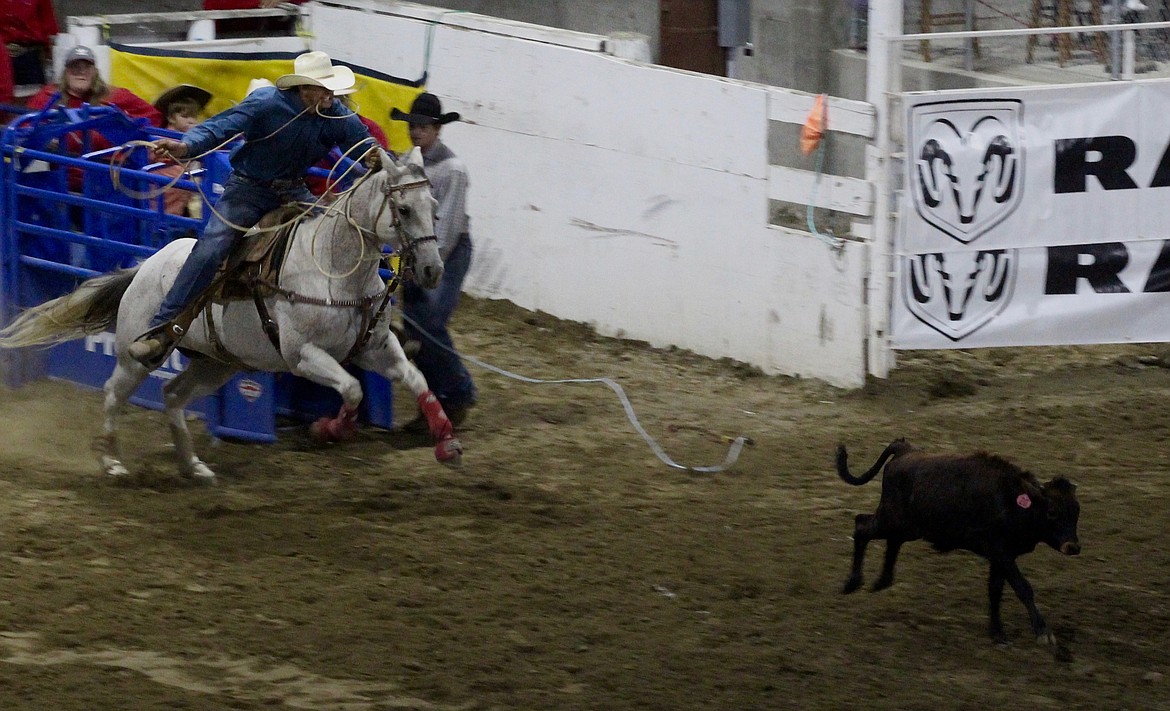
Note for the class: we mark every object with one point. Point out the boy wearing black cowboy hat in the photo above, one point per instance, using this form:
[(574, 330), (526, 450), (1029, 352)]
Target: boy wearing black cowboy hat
[(181, 107), (429, 310)]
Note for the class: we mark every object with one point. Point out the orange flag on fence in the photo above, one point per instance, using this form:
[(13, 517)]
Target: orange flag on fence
[(813, 129)]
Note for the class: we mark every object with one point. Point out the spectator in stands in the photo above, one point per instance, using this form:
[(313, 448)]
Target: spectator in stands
[(429, 310), (6, 86), (27, 28), (182, 109), (80, 83)]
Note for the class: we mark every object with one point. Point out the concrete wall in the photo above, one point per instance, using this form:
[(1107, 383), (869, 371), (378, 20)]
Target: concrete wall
[(792, 38)]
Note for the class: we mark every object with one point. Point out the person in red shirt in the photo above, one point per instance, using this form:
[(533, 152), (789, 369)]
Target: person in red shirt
[(6, 85), (80, 83), (27, 28)]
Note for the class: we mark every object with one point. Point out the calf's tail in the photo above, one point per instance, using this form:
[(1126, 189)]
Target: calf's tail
[(896, 448), (88, 309)]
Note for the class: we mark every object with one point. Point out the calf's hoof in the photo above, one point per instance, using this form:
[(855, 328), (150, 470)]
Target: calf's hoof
[(882, 584), (851, 585)]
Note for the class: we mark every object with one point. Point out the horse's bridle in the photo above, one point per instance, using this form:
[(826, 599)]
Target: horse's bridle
[(409, 244)]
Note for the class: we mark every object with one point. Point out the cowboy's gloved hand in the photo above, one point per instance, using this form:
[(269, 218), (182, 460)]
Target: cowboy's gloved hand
[(373, 161), (169, 146)]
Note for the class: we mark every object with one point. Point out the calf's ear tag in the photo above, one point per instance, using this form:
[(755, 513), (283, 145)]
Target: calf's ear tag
[(1024, 501)]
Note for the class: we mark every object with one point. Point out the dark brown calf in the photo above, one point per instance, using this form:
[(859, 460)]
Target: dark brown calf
[(977, 502)]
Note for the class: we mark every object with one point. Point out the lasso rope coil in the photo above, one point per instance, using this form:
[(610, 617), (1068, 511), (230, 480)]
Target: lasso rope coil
[(733, 451)]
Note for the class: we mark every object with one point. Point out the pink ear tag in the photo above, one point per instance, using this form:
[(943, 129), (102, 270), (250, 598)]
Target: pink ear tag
[(1023, 501)]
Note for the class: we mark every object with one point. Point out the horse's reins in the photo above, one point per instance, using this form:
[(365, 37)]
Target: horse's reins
[(410, 244)]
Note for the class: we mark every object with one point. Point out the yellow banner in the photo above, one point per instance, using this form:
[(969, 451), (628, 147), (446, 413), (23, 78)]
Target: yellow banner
[(150, 72)]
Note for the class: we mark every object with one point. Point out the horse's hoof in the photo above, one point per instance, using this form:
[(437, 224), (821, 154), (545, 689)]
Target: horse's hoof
[(326, 430), (332, 429), (346, 430), (449, 452), (200, 473), (318, 431), (115, 468)]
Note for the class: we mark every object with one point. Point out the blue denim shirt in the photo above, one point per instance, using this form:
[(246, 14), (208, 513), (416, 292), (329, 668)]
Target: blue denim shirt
[(273, 150)]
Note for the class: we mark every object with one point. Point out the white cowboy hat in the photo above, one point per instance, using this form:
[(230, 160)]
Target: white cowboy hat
[(316, 69), (257, 83)]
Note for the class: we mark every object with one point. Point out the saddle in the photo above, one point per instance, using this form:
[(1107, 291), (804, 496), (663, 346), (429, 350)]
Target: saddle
[(253, 264), (251, 272), (256, 259)]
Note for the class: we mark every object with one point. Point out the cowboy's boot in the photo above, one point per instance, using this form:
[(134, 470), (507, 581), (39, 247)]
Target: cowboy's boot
[(152, 348)]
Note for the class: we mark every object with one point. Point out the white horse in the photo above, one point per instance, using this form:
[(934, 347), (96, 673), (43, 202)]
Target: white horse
[(328, 306)]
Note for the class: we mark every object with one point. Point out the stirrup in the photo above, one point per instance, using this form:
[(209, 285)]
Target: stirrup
[(152, 348)]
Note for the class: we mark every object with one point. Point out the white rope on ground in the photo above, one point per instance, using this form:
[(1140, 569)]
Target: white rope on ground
[(733, 451)]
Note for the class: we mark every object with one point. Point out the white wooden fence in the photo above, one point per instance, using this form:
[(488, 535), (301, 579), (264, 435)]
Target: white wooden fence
[(627, 195)]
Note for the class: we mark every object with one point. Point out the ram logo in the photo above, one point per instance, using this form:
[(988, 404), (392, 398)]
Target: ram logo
[(967, 167), (966, 178), (956, 293)]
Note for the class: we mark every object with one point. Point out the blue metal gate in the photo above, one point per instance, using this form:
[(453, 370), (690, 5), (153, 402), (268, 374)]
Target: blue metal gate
[(63, 220)]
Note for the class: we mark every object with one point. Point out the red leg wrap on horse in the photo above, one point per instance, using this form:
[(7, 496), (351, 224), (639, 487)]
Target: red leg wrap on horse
[(335, 429), (437, 421)]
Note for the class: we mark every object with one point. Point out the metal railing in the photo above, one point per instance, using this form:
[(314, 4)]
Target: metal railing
[(1122, 39)]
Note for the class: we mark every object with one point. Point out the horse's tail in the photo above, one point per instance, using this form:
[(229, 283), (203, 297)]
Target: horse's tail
[(895, 449), (90, 308)]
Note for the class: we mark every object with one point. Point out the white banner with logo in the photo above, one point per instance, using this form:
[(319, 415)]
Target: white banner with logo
[(1035, 216)]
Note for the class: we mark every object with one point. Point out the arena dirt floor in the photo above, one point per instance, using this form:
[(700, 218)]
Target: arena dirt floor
[(565, 567)]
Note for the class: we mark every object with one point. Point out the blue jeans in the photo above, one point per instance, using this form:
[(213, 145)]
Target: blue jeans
[(243, 203), (431, 309)]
